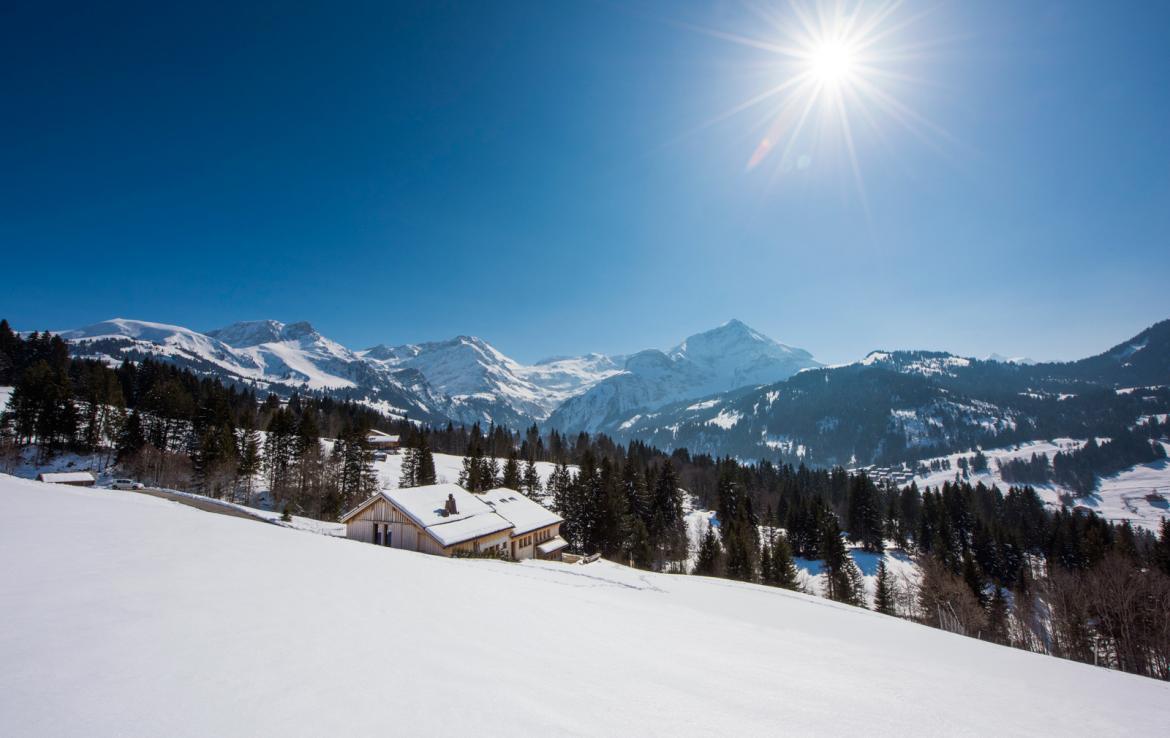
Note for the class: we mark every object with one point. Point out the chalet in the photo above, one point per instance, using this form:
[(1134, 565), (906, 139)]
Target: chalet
[(74, 479), (536, 529), (445, 519), (380, 441)]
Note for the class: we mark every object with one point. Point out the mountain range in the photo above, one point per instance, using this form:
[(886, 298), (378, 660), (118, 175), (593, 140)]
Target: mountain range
[(464, 379), (729, 390)]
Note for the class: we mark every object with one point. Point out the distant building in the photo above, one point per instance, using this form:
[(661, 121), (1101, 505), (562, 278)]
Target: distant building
[(73, 479), (445, 519), (383, 442)]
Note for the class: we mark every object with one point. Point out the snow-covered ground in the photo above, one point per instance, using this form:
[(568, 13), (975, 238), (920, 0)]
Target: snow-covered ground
[(1119, 497), (141, 617)]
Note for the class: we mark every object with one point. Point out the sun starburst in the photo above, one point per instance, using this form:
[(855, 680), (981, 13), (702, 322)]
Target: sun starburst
[(837, 67)]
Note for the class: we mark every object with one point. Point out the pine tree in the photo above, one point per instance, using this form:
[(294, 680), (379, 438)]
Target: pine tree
[(511, 477), (424, 469), (531, 479), (997, 617), (842, 579), (974, 578), (249, 464), (784, 572), (1162, 548), (666, 524), (132, 438), (707, 563), (883, 598), (408, 474), (638, 549)]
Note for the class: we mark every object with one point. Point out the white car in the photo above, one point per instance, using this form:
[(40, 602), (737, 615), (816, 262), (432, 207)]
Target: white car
[(125, 484)]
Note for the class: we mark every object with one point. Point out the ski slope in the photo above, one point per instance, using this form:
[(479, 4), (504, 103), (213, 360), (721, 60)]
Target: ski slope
[(133, 616)]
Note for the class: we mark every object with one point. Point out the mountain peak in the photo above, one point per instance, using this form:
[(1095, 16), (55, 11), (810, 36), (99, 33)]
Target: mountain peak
[(248, 333), (298, 330), (734, 337)]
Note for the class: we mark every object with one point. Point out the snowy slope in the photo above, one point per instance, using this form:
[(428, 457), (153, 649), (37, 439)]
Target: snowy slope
[(447, 469), (1119, 497), (143, 617)]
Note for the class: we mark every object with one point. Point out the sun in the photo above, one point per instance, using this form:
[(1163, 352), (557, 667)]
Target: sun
[(832, 71), (833, 62)]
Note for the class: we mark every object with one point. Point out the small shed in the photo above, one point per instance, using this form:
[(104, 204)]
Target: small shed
[(74, 479)]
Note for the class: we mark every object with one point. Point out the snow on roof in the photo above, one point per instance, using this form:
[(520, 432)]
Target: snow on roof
[(375, 433), (448, 534), (64, 477), (552, 545), (425, 505), (521, 511)]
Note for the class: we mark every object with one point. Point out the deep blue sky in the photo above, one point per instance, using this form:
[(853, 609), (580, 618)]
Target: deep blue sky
[(537, 173)]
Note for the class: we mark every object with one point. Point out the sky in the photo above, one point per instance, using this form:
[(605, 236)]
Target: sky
[(559, 178)]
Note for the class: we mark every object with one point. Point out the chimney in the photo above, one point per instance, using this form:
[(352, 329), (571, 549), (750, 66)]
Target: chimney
[(450, 506)]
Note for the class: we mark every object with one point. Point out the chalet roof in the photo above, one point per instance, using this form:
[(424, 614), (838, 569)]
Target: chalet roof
[(376, 436), (64, 477), (425, 505), (448, 534), (523, 512)]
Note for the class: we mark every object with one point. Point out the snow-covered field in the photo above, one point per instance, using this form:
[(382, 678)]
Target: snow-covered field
[(1119, 497), (140, 617), (447, 468)]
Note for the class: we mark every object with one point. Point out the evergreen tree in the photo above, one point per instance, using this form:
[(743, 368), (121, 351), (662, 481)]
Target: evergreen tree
[(707, 563), (883, 598), (511, 477), (278, 453), (408, 474), (531, 479), (842, 579), (865, 520), (1162, 548), (784, 572), (250, 460), (997, 617), (131, 440), (638, 549), (424, 469)]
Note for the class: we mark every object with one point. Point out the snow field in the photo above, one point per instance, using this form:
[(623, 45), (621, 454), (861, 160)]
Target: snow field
[(142, 617)]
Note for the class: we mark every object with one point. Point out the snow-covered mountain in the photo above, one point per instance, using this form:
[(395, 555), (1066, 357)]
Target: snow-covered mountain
[(266, 355), (464, 379), (719, 360), (483, 384), (895, 406)]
